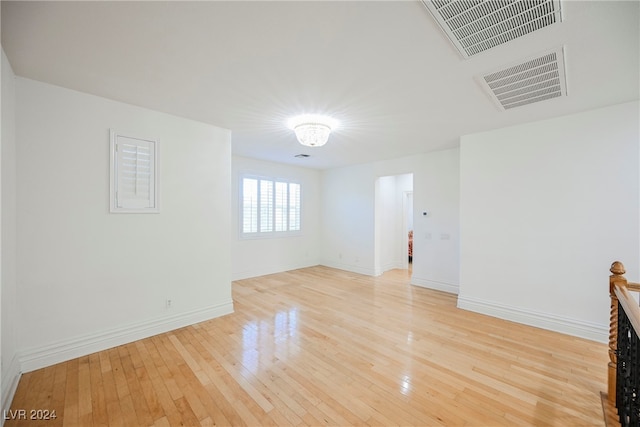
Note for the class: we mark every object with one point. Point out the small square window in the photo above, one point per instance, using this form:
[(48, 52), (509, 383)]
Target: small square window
[(134, 174)]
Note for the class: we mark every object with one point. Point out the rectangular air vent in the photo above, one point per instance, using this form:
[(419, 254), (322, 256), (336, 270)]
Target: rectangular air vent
[(533, 80), (474, 26)]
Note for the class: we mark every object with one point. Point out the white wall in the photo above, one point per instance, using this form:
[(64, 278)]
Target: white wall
[(436, 257), (88, 279), (10, 366), (386, 231), (260, 256), (545, 208), (348, 216)]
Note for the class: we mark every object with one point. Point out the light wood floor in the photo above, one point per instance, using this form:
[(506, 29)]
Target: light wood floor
[(319, 346)]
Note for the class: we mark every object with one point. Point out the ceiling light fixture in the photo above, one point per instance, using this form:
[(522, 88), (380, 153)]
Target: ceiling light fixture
[(312, 130)]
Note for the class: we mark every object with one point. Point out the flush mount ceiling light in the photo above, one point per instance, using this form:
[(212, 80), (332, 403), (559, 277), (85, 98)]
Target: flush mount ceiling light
[(312, 130)]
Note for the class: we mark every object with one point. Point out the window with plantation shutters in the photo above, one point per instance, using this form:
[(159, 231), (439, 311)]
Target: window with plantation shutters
[(134, 185), (269, 207)]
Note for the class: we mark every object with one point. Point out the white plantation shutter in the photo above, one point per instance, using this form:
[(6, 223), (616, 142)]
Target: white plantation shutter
[(134, 175), (266, 206), (294, 207), (281, 206), (269, 207), (249, 205)]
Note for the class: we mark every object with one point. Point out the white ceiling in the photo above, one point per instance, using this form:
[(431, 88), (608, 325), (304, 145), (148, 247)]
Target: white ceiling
[(383, 68)]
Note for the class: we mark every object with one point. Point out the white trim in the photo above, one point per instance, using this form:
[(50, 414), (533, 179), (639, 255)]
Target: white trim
[(269, 235), (432, 284), (349, 267), (10, 381), (579, 328), (257, 272), (51, 354), (395, 265)]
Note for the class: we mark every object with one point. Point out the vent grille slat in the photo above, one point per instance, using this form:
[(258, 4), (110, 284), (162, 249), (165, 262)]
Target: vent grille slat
[(531, 101), (528, 89), (477, 25), (458, 8), (543, 73), (478, 33), (534, 63), (488, 15), (535, 80), (532, 95)]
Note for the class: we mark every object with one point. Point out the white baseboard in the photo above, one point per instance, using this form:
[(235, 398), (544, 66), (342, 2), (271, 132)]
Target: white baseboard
[(62, 351), (10, 381), (248, 274), (350, 267), (438, 286), (578, 328), (390, 266)]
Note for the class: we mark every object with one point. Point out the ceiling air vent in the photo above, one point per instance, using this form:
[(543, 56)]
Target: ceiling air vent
[(531, 81), (474, 26)]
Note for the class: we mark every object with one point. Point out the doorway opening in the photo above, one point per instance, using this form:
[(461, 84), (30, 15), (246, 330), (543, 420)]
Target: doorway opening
[(408, 227), (393, 222)]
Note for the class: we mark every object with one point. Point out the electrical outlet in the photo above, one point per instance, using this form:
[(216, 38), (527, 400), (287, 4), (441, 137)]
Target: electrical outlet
[(168, 303)]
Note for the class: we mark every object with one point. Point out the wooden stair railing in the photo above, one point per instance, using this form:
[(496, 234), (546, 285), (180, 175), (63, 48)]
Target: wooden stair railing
[(623, 389)]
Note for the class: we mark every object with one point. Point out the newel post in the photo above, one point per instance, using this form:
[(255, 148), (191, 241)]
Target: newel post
[(617, 270)]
